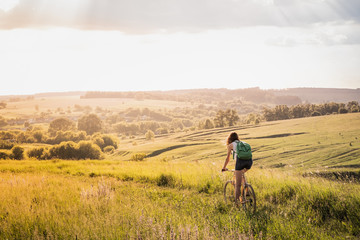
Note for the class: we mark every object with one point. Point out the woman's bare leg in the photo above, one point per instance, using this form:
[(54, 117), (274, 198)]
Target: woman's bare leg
[(238, 181)]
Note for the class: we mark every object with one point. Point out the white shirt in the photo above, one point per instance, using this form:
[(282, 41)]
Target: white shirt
[(234, 143)]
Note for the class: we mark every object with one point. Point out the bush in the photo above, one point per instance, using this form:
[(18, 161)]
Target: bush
[(162, 131), (315, 114), (62, 136), (166, 180), (6, 144), (38, 153), (105, 140), (110, 141), (17, 153), (354, 109), (72, 150), (4, 155), (38, 136), (149, 135), (65, 150), (138, 157), (89, 150), (109, 149), (343, 110)]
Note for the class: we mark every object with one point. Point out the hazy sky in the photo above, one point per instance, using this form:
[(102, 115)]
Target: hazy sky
[(121, 45)]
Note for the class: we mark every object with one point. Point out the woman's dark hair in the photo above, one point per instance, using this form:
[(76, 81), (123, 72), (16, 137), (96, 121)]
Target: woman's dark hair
[(232, 137)]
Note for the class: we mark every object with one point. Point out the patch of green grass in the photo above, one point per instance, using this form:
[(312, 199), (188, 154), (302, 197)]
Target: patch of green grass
[(289, 207)]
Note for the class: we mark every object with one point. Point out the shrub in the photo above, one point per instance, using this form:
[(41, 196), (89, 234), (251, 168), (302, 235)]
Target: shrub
[(38, 153), (162, 131), (105, 140), (65, 150), (30, 140), (109, 149), (72, 150), (343, 110), (166, 180), (138, 157), (315, 114), (7, 135), (6, 144), (4, 155), (88, 150), (62, 136), (99, 141), (354, 109), (38, 136), (110, 141), (17, 153), (149, 135)]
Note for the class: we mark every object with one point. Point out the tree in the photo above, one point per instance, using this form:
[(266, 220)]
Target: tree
[(226, 118), (61, 124), (298, 111), (149, 135), (17, 153), (282, 112), (268, 114), (90, 124), (208, 124), (353, 106), (38, 136), (231, 117), (253, 118), (219, 119), (343, 110), (177, 123)]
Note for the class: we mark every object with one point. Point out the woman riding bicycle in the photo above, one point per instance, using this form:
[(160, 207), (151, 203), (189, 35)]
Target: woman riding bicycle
[(241, 166)]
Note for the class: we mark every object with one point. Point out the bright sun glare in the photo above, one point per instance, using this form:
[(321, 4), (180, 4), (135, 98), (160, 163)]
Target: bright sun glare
[(7, 5)]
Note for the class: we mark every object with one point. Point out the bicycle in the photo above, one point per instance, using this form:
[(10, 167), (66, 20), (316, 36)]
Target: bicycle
[(247, 196)]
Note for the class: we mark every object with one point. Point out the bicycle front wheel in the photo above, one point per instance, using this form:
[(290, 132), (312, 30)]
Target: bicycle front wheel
[(229, 192), (249, 198)]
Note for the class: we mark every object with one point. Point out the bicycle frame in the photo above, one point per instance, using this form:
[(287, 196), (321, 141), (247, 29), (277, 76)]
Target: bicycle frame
[(247, 194)]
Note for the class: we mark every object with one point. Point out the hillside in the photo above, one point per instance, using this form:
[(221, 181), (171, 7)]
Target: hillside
[(327, 143), (176, 192), (321, 95), (306, 171), (256, 95)]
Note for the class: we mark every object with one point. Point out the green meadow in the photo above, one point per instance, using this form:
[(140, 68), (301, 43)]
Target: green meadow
[(306, 176)]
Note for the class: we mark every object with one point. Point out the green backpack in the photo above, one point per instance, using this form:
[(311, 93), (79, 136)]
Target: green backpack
[(243, 150)]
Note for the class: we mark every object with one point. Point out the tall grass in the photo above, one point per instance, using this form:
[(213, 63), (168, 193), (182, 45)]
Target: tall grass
[(176, 191), (289, 207)]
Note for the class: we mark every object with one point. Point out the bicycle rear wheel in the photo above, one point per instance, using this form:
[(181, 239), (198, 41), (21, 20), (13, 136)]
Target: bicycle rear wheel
[(229, 192), (249, 198)]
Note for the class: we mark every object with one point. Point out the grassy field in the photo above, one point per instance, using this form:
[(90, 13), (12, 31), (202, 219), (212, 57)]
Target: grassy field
[(305, 176)]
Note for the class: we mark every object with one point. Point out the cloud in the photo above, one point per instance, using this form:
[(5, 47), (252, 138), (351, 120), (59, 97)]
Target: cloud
[(144, 16), (318, 34)]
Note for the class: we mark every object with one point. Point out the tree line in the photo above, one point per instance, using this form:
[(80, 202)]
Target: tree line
[(281, 112), (255, 95)]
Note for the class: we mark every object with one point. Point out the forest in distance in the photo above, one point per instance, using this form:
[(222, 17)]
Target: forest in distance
[(141, 114)]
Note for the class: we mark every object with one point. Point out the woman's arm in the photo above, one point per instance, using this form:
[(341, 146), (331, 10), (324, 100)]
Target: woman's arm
[(230, 148)]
